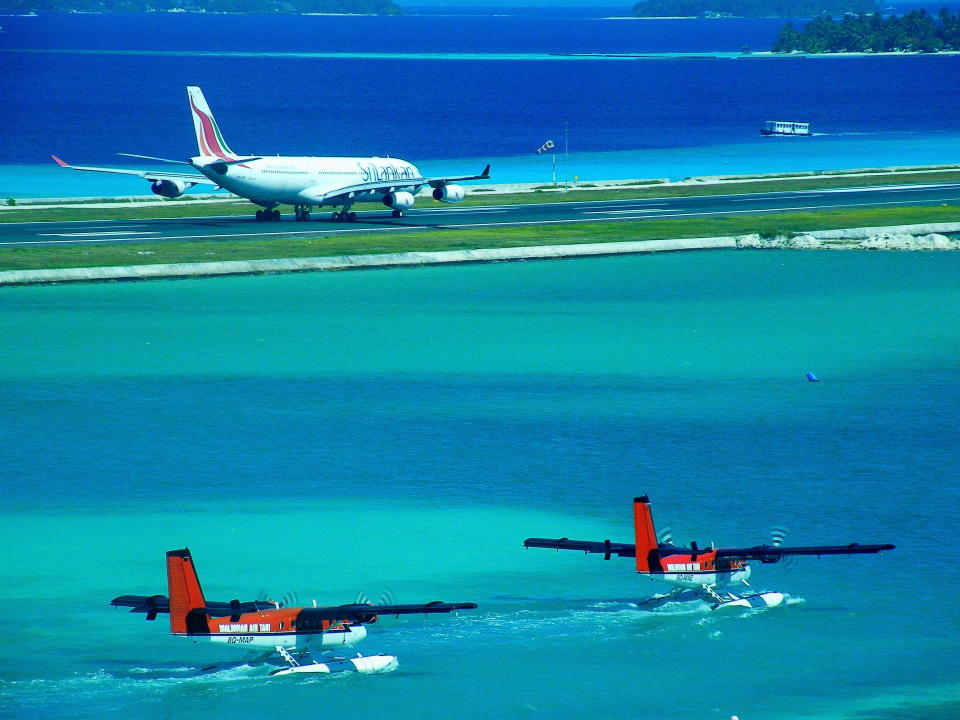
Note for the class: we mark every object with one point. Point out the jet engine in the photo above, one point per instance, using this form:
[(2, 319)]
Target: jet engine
[(398, 200), (448, 193), (168, 188)]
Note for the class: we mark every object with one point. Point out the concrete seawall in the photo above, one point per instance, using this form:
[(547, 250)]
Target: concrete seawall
[(348, 262)]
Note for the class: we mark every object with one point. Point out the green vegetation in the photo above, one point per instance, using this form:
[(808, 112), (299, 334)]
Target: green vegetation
[(914, 32), (366, 7), (412, 240), (751, 8)]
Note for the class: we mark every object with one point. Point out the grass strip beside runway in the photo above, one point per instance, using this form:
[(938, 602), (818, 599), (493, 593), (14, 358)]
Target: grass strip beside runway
[(411, 240), (185, 207)]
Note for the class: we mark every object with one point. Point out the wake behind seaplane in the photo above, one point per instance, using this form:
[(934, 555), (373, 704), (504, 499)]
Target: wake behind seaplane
[(291, 632), (304, 182), (705, 571)]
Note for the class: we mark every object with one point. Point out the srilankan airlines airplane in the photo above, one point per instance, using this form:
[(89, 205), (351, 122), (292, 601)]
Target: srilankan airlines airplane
[(304, 182)]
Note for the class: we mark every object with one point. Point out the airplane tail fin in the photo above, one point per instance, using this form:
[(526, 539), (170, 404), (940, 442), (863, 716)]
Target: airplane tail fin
[(183, 589), (210, 141), (646, 534)]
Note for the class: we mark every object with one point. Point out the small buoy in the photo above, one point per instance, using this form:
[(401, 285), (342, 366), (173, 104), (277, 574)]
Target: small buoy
[(734, 717), (812, 378)]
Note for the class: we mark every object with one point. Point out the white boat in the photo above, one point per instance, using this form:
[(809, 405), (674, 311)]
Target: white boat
[(779, 127)]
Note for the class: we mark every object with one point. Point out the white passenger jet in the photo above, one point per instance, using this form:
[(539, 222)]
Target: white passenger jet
[(304, 182)]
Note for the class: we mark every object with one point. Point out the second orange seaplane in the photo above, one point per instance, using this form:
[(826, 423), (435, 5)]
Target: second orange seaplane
[(705, 571)]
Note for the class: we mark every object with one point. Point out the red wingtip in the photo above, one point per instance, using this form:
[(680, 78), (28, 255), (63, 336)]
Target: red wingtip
[(58, 161)]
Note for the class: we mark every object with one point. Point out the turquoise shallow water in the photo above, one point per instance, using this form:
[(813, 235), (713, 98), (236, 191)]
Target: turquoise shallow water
[(753, 155), (404, 430)]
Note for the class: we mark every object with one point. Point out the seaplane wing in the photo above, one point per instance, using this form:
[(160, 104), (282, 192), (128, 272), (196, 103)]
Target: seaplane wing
[(151, 175), (604, 547), (363, 612), (320, 194), (151, 605), (771, 553)]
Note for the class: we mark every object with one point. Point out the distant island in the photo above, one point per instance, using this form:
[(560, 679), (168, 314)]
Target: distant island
[(751, 8), (346, 7), (914, 32)]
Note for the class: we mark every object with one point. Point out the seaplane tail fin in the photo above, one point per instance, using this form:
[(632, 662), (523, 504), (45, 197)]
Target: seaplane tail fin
[(646, 535), (210, 141), (183, 588)]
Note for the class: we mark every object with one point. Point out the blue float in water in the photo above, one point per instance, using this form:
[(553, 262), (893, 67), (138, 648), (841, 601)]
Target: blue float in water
[(812, 378)]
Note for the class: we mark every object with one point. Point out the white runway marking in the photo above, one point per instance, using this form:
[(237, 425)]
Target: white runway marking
[(624, 212), (100, 234), (463, 209)]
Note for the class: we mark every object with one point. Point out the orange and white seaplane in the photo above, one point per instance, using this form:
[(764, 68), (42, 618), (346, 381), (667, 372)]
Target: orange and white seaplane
[(702, 572), (265, 625)]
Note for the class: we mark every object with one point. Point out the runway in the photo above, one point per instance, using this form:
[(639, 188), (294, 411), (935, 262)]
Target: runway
[(431, 216)]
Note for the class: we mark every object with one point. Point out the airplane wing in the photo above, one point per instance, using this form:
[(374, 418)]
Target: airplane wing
[(771, 554), (147, 604), (319, 194), (151, 175), (360, 612), (153, 604), (605, 547), (438, 182), (363, 612)]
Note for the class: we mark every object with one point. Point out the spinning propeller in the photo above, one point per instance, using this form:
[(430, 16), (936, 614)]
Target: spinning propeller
[(386, 598), (288, 599)]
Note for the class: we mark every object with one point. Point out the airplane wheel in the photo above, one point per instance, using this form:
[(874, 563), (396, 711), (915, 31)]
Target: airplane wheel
[(305, 215), (259, 215), (397, 213), (275, 215), (335, 216), (352, 217)]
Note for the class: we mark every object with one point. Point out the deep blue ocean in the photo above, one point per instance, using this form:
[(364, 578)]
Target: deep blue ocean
[(450, 92)]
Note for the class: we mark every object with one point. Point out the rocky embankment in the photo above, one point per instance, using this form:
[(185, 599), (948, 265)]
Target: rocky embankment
[(907, 237)]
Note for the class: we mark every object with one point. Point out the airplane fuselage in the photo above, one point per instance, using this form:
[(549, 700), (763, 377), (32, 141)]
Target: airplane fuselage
[(291, 628), (684, 568), (283, 179), (696, 578)]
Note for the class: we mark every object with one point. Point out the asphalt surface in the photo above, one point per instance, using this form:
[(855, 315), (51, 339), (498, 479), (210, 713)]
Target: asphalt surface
[(429, 215)]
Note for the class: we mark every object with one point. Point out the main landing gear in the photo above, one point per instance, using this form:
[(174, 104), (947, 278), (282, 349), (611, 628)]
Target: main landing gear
[(301, 213), (343, 216), (268, 215)]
